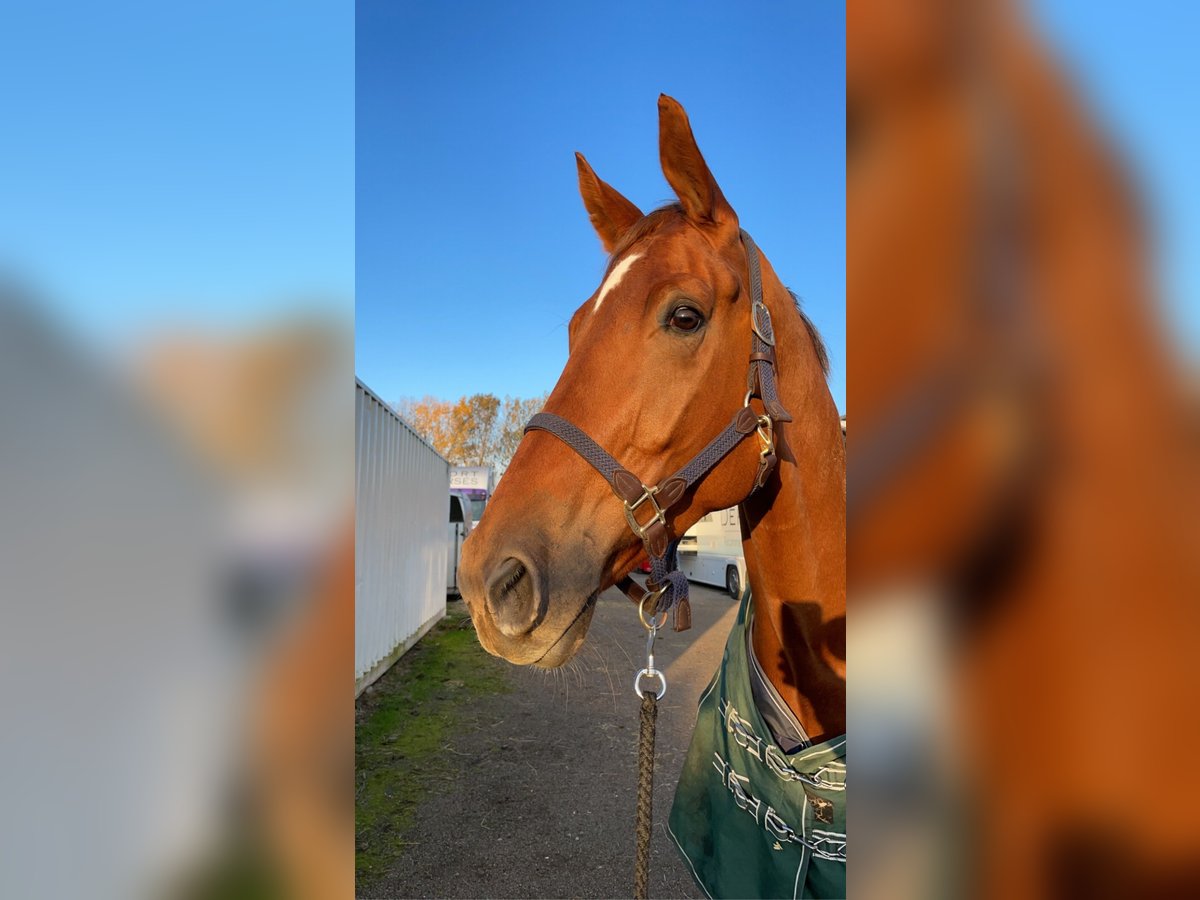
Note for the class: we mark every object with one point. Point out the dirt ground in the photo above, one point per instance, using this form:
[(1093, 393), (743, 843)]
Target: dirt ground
[(532, 791)]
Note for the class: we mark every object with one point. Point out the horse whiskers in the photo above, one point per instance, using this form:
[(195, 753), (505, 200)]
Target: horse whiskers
[(607, 672), (575, 666)]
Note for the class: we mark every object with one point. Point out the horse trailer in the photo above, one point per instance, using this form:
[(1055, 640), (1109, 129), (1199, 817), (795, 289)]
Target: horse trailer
[(711, 552), (475, 482), (460, 526)]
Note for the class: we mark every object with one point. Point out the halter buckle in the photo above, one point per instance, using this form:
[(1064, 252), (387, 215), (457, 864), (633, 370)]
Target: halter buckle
[(659, 516), (760, 321)]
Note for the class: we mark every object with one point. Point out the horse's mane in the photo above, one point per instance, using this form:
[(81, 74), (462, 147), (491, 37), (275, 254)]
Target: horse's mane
[(813, 335), (657, 218)]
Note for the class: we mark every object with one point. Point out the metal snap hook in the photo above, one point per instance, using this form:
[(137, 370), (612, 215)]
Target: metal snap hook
[(766, 434)]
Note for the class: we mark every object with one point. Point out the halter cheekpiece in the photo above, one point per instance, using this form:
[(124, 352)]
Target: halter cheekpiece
[(646, 507)]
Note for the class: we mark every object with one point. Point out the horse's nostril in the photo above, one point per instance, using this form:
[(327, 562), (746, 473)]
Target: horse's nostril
[(510, 574), (511, 598)]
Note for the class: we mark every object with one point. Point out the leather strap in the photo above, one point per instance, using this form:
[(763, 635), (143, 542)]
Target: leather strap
[(760, 381), (659, 499)]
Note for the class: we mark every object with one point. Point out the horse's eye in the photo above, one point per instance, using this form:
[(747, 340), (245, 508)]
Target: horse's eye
[(684, 318)]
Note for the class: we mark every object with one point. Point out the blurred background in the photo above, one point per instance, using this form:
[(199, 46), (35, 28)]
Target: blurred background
[(176, 449), (1022, 487), (176, 290)]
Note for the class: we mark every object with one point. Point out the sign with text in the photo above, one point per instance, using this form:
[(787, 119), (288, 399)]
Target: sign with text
[(471, 478)]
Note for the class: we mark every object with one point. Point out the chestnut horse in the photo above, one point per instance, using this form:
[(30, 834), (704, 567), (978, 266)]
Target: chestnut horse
[(1021, 451), (657, 366)]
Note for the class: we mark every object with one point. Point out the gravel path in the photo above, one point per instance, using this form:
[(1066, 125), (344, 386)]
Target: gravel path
[(541, 803)]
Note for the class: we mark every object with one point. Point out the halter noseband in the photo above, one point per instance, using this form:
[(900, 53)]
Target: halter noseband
[(667, 587)]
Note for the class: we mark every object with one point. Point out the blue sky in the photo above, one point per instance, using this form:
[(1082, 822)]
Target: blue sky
[(473, 245), (178, 163), (1137, 65), (197, 163)]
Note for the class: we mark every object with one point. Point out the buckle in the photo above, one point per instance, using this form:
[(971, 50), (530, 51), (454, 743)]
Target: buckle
[(760, 321), (637, 527)]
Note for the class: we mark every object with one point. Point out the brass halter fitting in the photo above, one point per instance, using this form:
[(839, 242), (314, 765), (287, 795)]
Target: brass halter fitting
[(659, 516), (765, 429), (766, 434)]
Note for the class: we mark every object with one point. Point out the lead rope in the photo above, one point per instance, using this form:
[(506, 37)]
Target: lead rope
[(643, 823), (645, 795)]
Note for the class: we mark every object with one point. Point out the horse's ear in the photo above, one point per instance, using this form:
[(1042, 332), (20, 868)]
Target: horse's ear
[(611, 214), (686, 171)]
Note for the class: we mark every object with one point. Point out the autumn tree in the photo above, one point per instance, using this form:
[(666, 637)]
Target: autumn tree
[(430, 418), (477, 416), (514, 414), (476, 430)]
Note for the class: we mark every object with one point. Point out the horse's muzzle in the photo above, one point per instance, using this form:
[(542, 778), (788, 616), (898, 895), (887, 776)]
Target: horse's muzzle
[(509, 596)]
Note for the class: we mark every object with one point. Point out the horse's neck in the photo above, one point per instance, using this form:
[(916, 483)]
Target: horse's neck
[(794, 544)]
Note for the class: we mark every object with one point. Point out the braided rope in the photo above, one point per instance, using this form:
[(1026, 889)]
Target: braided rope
[(645, 796)]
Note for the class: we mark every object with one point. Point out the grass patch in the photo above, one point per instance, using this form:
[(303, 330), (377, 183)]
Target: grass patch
[(402, 725)]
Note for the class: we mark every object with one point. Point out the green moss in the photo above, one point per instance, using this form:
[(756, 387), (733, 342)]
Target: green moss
[(402, 725)]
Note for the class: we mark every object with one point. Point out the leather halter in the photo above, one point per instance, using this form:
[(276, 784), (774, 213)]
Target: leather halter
[(667, 587)]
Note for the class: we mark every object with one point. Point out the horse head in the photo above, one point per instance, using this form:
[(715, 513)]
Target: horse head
[(657, 366)]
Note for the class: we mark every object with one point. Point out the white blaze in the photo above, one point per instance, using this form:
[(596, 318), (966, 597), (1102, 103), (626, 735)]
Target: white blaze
[(614, 277)]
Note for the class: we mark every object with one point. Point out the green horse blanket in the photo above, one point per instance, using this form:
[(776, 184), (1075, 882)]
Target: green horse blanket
[(750, 819)]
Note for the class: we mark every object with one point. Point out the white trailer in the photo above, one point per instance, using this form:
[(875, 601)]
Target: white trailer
[(475, 482), (711, 552), (400, 565), (460, 526)]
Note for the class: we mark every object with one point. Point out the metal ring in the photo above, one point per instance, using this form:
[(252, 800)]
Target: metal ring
[(651, 625), (650, 673)]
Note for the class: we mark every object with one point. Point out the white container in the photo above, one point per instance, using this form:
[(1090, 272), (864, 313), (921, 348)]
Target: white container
[(401, 495)]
